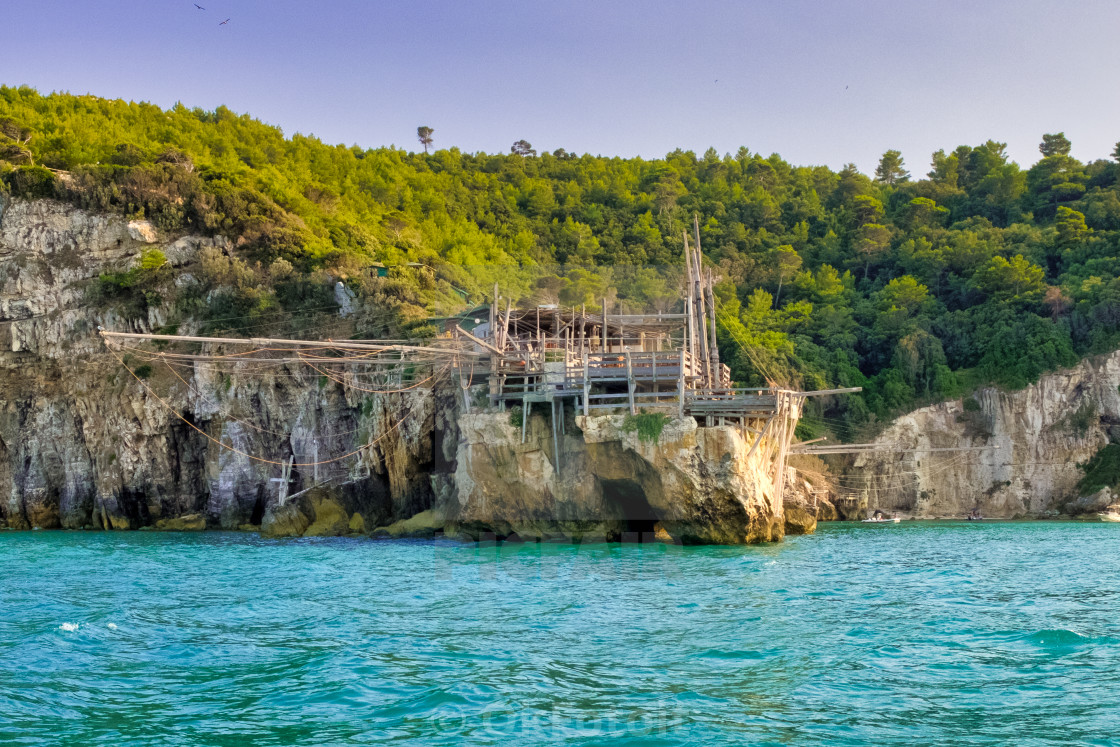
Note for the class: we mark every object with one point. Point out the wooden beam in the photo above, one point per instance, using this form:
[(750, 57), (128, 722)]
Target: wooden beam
[(478, 340), (268, 341), (870, 448), (761, 435), (826, 392), (806, 443)]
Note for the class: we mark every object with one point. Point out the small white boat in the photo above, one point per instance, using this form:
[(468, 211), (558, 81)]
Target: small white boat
[(894, 520), (1109, 516)]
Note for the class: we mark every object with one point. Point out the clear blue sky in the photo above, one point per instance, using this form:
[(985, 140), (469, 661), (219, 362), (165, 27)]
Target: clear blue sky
[(820, 82)]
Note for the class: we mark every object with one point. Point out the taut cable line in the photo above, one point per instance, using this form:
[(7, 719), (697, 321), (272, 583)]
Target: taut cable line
[(306, 351), (375, 391), (246, 454), (212, 403)]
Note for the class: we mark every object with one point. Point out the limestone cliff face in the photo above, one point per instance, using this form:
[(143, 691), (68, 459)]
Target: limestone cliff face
[(83, 443), (1042, 433), (694, 485)]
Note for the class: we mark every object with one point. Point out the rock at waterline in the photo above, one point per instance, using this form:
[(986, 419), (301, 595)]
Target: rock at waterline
[(357, 524), (331, 519), (422, 525), (284, 521), (188, 523)]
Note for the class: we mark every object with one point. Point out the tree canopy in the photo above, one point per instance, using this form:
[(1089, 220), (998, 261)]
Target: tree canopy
[(914, 288)]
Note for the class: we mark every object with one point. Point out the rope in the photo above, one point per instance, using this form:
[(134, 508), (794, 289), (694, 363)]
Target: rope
[(470, 379), (245, 422), (856, 489), (723, 315), (373, 391), (245, 454)]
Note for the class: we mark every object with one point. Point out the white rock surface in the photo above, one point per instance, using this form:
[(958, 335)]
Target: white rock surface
[(1033, 472)]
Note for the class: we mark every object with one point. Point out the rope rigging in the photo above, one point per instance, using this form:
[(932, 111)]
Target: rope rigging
[(270, 358)]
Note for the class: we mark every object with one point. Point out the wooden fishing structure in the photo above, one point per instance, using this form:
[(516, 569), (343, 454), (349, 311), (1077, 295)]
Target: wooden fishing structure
[(546, 357), (598, 362)]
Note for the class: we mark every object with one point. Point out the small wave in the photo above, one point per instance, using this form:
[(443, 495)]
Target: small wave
[(716, 653), (1056, 638), (112, 626), (68, 627)]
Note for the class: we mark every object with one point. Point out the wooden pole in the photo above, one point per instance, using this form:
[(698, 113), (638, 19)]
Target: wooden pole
[(630, 383), (701, 314), (712, 347), (555, 441), (586, 388), (582, 327), (604, 324), (680, 388), (690, 341), (505, 324), (494, 316), (784, 413), (524, 415)]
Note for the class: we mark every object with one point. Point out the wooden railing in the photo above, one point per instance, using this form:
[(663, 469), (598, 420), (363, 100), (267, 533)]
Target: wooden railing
[(533, 376)]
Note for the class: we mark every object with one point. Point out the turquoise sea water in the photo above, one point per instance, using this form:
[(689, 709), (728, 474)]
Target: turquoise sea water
[(921, 633)]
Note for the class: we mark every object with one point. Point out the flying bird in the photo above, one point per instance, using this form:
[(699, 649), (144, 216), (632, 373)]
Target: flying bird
[(223, 23), (199, 6)]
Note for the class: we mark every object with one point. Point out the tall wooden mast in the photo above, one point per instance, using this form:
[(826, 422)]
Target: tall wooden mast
[(701, 309), (690, 305), (713, 349)]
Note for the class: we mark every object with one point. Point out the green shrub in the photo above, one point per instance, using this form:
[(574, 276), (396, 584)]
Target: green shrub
[(1102, 471), (30, 182), (971, 405), (516, 417), (152, 260), (648, 425), (1082, 419)]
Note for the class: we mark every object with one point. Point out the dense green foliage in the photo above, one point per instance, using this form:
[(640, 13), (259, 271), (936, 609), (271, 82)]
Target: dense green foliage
[(915, 289), (648, 425), (1102, 471)]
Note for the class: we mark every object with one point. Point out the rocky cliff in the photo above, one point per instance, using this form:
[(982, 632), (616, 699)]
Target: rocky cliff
[(1034, 441), (85, 444), (686, 484)]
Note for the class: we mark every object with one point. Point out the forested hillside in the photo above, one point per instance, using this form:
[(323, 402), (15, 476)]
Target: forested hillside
[(914, 287)]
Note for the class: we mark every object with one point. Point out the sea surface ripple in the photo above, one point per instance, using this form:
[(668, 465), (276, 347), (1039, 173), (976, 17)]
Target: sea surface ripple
[(918, 633)]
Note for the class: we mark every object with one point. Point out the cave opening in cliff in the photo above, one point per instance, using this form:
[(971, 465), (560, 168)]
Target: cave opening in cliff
[(627, 502), (257, 516)]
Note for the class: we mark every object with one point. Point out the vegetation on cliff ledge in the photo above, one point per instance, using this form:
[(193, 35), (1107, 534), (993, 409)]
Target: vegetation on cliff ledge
[(648, 425), (1102, 471), (913, 288)]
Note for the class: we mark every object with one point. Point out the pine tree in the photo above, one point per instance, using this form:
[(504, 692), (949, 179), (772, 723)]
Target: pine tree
[(891, 169), (1055, 145), (424, 134)]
